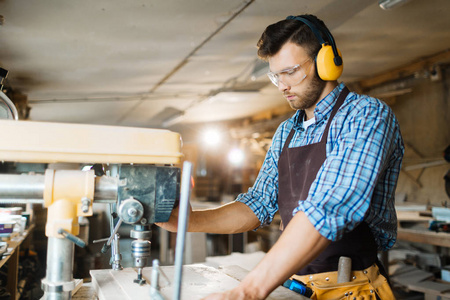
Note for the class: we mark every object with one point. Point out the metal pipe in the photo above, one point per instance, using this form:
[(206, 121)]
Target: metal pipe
[(29, 188), (21, 186), (183, 220), (106, 189), (21, 201), (116, 257), (58, 283)]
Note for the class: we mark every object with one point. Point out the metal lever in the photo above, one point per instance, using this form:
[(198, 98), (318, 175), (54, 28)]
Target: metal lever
[(107, 245), (74, 239), (113, 241)]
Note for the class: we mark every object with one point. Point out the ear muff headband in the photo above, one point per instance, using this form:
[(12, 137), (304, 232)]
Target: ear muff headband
[(332, 43), (313, 27), (328, 61)]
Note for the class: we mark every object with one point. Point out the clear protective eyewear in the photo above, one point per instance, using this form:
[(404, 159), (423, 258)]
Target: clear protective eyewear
[(290, 76)]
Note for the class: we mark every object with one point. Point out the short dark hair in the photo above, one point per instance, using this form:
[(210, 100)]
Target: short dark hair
[(278, 34)]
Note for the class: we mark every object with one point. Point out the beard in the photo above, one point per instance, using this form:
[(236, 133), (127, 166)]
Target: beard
[(309, 97)]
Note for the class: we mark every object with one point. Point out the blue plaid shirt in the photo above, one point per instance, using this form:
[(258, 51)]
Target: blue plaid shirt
[(358, 178)]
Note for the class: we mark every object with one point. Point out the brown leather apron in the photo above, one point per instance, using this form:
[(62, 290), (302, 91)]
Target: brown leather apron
[(297, 169)]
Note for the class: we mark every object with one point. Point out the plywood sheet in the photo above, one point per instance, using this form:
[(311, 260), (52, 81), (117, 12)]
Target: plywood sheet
[(198, 282)]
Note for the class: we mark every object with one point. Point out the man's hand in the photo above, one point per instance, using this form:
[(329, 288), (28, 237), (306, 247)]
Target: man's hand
[(172, 224), (234, 294), (297, 246)]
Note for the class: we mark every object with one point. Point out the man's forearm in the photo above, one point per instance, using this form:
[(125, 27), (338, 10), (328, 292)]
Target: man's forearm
[(234, 217), (299, 244)]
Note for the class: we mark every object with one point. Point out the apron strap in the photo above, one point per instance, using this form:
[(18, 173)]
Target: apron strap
[(336, 107)]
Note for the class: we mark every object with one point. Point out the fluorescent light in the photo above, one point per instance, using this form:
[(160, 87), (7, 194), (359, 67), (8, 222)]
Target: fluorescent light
[(389, 4)]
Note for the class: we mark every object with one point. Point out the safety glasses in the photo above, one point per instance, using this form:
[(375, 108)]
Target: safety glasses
[(290, 76)]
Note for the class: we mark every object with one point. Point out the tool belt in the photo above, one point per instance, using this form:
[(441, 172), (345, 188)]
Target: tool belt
[(364, 284)]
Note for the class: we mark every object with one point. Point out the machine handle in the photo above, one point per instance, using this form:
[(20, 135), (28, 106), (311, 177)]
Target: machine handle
[(107, 245), (74, 239)]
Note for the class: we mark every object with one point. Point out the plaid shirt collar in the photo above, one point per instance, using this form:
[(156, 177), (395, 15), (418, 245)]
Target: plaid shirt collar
[(323, 108)]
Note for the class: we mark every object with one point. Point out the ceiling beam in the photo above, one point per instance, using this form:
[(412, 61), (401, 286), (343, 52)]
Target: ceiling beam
[(406, 70)]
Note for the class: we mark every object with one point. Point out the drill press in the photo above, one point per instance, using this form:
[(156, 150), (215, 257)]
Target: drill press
[(145, 187)]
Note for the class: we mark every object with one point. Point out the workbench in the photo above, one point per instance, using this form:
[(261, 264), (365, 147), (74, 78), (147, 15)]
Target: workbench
[(198, 281), (419, 234), (413, 226), (12, 259)]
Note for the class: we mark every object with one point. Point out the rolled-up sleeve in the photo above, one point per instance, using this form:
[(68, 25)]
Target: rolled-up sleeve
[(262, 197)]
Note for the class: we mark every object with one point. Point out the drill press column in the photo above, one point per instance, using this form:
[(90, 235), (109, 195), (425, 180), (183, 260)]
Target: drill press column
[(67, 195)]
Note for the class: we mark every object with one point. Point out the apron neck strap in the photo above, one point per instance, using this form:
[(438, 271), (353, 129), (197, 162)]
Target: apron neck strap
[(336, 107)]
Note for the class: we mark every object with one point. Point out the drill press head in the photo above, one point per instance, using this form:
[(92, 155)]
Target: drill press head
[(146, 194)]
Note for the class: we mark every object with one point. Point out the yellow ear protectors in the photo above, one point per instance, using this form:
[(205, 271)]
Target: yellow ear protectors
[(328, 61)]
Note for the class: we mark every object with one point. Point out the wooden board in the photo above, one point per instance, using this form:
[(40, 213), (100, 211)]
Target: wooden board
[(239, 273), (86, 292), (424, 236), (418, 280), (198, 282)]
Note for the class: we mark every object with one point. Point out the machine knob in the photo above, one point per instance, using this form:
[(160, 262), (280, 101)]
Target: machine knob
[(131, 211)]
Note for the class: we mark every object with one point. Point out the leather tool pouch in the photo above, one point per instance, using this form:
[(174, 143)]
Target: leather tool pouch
[(363, 285)]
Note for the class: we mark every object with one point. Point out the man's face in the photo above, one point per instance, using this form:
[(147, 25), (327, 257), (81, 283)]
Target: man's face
[(305, 94)]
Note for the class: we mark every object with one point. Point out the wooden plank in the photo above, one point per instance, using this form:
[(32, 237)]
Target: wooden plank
[(78, 285), (13, 274), (418, 280), (105, 286), (410, 276), (425, 237), (198, 282), (86, 292), (280, 293), (125, 279), (432, 287), (412, 216)]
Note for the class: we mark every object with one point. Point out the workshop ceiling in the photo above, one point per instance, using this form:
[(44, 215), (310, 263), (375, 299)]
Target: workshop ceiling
[(153, 63)]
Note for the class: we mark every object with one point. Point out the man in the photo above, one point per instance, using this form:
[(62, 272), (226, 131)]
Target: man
[(331, 171)]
